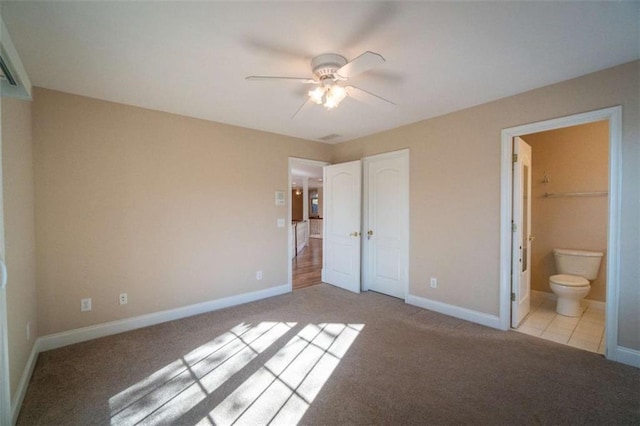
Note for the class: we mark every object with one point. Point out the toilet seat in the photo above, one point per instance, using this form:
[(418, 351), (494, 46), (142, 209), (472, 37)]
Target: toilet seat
[(569, 280)]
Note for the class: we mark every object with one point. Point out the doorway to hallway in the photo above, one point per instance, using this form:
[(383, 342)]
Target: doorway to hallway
[(305, 222)]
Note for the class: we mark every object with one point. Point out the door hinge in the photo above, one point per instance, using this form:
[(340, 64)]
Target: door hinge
[(513, 297), (514, 227), (515, 158)]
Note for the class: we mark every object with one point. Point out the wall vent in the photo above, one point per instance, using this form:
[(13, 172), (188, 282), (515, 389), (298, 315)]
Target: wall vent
[(328, 138), (5, 73), (14, 82)]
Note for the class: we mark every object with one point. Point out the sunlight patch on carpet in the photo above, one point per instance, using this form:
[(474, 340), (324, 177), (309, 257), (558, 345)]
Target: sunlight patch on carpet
[(170, 392), (279, 392), (282, 390)]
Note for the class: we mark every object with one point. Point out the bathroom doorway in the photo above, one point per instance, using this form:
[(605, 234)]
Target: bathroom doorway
[(574, 205), (569, 180)]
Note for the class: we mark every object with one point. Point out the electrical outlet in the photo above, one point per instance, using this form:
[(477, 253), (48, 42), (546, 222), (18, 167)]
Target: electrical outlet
[(434, 283), (259, 275), (85, 304), (123, 298)]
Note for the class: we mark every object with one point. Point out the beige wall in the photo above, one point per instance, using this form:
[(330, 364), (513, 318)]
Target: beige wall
[(296, 205), (159, 205), (576, 159), (455, 189), (156, 205), (17, 180)]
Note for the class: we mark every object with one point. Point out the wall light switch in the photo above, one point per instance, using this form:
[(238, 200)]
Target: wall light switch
[(280, 223), (85, 304)]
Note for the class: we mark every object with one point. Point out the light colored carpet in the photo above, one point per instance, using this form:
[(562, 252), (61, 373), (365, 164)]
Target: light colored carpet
[(325, 356)]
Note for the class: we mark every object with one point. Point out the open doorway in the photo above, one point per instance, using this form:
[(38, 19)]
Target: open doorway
[(368, 234), (568, 205), (306, 216), (605, 284)]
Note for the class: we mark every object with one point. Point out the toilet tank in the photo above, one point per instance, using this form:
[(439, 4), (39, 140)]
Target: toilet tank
[(578, 262)]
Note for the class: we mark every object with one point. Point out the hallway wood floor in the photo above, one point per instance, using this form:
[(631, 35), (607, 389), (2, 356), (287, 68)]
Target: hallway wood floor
[(307, 266)]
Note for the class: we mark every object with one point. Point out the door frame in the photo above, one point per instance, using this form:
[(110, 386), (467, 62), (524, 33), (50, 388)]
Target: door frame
[(365, 261), (291, 163), (614, 116), (6, 414)]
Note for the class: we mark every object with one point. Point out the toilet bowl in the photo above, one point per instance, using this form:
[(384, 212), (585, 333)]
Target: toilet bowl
[(571, 284), (570, 289)]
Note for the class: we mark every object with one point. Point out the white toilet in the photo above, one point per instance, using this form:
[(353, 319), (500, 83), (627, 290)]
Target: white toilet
[(575, 269)]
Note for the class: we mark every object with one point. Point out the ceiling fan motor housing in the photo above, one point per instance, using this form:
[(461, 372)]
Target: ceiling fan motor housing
[(326, 65)]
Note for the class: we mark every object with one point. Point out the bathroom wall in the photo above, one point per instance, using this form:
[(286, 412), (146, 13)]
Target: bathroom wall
[(575, 159)]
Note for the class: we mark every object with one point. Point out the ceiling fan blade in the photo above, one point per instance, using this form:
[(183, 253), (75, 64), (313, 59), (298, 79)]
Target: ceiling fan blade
[(362, 63), (259, 45), (270, 78), (305, 103), (368, 97), (376, 17)]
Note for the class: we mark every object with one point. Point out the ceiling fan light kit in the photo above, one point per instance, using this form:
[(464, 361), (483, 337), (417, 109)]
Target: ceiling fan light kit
[(329, 69), (329, 94)]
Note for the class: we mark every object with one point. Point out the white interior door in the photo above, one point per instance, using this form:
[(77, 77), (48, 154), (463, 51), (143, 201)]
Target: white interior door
[(386, 239), (341, 245), (521, 242)]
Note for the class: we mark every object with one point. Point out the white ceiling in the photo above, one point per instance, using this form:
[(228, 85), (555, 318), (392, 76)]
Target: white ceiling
[(191, 58)]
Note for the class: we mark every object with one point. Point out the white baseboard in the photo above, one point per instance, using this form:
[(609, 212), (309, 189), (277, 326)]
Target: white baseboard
[(544, 294), (625, 356), (21, 391), (58, 340), (585, 302), (488, 320)]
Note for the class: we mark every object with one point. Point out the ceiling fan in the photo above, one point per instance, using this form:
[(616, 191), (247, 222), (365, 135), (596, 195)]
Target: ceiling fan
[(330, 71)]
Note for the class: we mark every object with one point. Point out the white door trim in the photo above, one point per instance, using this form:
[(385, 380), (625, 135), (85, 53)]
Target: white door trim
[(5, 388), (614, 116), (366, 161), (292, 162)]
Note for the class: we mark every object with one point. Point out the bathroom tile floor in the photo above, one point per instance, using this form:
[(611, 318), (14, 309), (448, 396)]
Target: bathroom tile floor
[(584, 332)]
